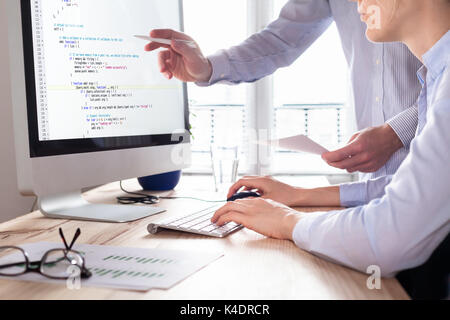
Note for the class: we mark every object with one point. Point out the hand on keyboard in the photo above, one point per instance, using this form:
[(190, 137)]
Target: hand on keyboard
[(198, 222)]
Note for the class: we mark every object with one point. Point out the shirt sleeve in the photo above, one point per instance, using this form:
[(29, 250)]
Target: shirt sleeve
[(400, 230), (362, 192), (405, 125), (300, 23)]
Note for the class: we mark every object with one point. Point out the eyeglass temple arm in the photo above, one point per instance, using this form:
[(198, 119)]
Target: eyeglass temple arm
[(75, 237), (63, 238)]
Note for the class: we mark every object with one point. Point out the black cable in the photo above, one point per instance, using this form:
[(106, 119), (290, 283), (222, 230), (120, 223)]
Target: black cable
[(150, 199)]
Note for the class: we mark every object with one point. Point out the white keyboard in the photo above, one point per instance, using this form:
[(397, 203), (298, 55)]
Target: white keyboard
[(198, 222)]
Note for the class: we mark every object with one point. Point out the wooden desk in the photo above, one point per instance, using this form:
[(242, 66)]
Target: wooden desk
[(253, 266)]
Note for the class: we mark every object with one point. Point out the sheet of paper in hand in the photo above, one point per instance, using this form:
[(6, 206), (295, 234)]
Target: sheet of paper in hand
[(297, 143)]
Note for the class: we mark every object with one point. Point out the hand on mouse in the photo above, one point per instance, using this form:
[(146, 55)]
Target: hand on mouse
[(269, 188), (180, 60), (264, 216)]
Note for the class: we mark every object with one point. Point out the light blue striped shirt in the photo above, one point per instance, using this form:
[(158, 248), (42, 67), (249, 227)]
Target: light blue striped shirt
[(401, 229), (383, 76)]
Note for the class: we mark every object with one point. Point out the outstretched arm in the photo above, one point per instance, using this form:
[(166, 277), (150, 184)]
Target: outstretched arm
[(300, 24), (278, 45)]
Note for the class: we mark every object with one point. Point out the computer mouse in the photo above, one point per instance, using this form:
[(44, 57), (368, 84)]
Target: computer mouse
[(243, 195)]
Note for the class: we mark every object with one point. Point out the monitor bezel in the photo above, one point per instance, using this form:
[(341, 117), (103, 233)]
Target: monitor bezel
[(47, 148)]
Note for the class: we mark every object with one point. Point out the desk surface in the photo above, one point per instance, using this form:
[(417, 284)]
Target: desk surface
[(253, 266)]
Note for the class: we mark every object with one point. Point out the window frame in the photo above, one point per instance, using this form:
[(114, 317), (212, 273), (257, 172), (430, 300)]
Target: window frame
[(260, 107)]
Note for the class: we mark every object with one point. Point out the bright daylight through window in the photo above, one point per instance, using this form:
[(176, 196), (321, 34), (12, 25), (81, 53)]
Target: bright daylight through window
[(309, 96)]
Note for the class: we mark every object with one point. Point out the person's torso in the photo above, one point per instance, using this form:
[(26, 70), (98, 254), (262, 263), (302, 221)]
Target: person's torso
[(383, 76)]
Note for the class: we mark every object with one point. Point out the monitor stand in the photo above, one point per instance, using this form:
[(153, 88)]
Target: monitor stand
[(74, 206)]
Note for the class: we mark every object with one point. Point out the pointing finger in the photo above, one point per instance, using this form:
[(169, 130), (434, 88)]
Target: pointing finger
[(169, 34)]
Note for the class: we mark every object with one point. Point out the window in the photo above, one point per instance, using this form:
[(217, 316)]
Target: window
[(309, 96), (217, 110)]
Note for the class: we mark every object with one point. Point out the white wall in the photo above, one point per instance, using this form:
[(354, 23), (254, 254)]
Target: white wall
[(12, 204)]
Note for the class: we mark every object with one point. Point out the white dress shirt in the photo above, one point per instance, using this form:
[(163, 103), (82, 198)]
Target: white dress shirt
[(402, 228)]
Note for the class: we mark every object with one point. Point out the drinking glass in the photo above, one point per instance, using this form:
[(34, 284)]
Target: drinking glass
[(225, 165)]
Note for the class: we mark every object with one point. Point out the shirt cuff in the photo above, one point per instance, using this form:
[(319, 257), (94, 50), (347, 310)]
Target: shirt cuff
[(405, 125), (353, 194), (221, 69)]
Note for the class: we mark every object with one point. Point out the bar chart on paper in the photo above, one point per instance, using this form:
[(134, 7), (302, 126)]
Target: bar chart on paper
[(128, 268), (150, 267)]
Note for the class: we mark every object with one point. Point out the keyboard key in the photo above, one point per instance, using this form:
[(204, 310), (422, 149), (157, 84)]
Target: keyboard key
[(233, 224), (210, 228), (218, 232), (190, 224), (227, 227), (200, 222), (181, 222), (201, 225), (183, 219)]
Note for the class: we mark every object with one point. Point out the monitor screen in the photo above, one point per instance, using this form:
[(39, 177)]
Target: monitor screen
[(90, 84)]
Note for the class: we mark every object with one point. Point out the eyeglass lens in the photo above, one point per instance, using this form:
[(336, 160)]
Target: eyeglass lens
[(61, 263), (56, 263), (12, 261)]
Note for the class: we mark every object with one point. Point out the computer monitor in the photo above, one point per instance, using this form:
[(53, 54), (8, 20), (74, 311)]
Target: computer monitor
[(90, 105)]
